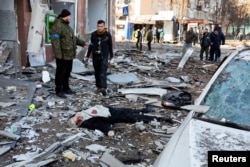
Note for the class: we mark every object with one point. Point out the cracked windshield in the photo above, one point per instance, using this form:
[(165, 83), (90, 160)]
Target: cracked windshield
[(229, 96)]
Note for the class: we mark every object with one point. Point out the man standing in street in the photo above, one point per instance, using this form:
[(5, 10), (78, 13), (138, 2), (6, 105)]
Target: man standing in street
[(149, 37), (139, 39), (196, 33), (215, 45), (189, 38), (101, 48), (222, 39), (204, 42), (64, 47)]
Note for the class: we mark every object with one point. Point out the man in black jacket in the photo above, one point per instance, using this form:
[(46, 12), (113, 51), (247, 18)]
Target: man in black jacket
[(215, 39), (102, 50), (204, 42), (103, 118), (222, 39), (139, 39)]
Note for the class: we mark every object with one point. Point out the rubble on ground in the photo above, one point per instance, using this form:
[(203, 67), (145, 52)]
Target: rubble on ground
[(40, 136)]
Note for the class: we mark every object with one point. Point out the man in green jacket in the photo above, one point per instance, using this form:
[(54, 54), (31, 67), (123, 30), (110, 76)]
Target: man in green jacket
[(64, 47), (149, 37)]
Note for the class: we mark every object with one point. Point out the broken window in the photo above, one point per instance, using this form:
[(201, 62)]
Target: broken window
[(229, 95)]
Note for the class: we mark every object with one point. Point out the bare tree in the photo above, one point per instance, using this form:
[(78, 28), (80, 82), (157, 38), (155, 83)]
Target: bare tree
[(235, 14)]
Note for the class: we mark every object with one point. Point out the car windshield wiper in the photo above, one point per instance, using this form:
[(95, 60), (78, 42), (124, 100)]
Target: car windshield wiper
[(204, 117)]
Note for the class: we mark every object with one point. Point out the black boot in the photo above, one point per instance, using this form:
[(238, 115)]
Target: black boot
[(69, 91), (61, 95)]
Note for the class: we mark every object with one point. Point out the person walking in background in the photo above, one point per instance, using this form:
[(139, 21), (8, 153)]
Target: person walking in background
[(143, 32), (190, 37), (149, 37), (162, 36), (196, 33), (154, 32), (204, 42), (101, 48), (139, 39), (215, 44), (64, 47)]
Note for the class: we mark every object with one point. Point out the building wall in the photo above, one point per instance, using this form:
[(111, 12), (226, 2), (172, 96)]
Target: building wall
[(151, 7), (24, 15), (81, 26)]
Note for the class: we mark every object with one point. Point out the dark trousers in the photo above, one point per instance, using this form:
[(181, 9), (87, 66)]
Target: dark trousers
[(100, 64), (63, 69), (129, 115), (139, 44), (204, 49), (214, 51), (149, 45), (219, 52)]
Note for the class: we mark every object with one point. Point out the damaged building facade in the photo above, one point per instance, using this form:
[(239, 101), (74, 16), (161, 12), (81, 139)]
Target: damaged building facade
[(25, 25)]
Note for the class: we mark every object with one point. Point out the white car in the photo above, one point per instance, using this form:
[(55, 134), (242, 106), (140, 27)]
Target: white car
[(223, 127)]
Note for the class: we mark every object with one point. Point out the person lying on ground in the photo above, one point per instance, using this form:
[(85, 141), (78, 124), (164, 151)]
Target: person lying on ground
[(103, 118)]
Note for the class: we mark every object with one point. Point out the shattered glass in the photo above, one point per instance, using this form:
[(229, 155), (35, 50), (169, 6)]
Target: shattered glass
[(229, 96)]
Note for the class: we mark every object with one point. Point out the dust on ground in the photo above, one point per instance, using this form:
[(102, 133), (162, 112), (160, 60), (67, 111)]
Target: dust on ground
[(130, 145)]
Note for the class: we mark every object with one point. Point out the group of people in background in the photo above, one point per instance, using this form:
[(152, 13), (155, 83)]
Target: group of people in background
[(209, 41), (149, 35), (212, 40)]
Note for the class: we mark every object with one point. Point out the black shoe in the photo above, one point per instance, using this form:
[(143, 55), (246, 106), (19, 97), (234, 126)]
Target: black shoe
[(69, 91), (61, 94), (103, 91)]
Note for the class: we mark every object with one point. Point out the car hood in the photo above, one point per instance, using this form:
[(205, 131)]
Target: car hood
[(190, 144)]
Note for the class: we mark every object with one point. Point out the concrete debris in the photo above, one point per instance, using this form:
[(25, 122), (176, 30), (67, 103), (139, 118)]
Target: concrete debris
[(145, 91), (70, 155), (96, 148), (184, 59), (79, 153), (158, 144), (54, 148), (107, 160), (8, 104), (85, 78), (135, 80), (173, 80), (9, 135), (80, 68), (122, 79), (140, 126), (4, 149), (45, 76), (42, 163), (25, 157)]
